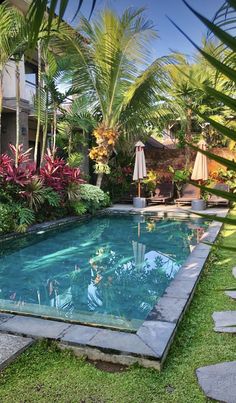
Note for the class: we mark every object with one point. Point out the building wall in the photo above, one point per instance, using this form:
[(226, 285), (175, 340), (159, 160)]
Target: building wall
[(9, 130), (9, 80)]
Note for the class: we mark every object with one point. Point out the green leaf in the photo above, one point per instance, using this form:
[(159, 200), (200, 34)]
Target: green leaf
[(220, 96), (218, 126), (213, 217), (226, 195), (221, 67)]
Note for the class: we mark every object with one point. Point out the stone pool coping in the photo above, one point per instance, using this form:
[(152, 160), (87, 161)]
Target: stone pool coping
[(150, 344)]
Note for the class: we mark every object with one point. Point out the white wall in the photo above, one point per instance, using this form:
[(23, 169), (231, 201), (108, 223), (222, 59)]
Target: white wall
[(9, 80)]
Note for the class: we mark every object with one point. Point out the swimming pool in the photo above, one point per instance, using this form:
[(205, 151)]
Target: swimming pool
[(107, 271)]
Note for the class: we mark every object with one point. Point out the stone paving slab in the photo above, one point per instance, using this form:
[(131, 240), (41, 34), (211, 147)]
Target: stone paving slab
[(234, 271), (179, 289), (231, 294), (79, 334), (218, 381), (225, 322), (168, 309), (11, 346), (157, 335), (4, 317), (190, 270), (34, 327), (122, 342)]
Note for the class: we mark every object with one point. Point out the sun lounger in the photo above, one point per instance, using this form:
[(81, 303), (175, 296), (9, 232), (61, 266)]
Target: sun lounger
[(189, 193), (163, 194), (215, 200)]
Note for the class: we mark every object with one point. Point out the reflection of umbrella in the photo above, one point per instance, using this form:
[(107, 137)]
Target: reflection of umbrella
[(139, 254), (140, 166), (200, 169)]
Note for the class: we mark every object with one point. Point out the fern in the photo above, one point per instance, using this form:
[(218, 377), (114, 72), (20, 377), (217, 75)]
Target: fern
[(52, 197), (79, 208)]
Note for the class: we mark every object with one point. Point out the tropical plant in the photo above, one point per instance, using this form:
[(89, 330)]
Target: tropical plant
[(151, 180), (37, 10), (75, 124), (36, 194), (180, 177), (110, 74), (57, 174), (93, 197), (7, 222)]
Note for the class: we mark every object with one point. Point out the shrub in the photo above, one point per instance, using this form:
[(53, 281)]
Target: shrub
[(75, 159), (7, 219), (79, 208), (58, 175), (15, 217), (93, 197)]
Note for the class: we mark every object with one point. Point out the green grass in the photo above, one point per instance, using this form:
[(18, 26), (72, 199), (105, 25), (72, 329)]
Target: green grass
[(45, 374)]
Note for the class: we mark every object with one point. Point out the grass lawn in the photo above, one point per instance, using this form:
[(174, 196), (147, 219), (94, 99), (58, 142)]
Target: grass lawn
[(44, 374)]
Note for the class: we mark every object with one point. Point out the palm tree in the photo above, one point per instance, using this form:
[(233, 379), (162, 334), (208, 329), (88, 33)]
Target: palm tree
[(110, 70), (11, 37), (52, 48)]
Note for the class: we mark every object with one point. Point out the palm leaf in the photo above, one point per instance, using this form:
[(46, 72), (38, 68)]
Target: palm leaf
[(221, 97), (214, 217), (226, 38), (218, 126), (220, 67), (37, 10), (226, 195)]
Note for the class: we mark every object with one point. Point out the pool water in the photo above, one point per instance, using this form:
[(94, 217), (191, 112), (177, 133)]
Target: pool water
[(107, 271)]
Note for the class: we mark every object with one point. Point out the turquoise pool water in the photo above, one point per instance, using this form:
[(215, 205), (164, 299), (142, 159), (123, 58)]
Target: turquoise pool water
[(108, 270)]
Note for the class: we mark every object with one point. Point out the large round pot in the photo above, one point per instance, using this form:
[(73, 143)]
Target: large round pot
[(139, 202), (198, 204)]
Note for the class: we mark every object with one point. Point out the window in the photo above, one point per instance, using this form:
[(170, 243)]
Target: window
[(31, 73)]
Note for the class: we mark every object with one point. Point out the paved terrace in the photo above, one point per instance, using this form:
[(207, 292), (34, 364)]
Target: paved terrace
[(168, 210)]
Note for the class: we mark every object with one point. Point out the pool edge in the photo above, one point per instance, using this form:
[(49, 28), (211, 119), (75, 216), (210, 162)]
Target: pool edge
[(150, 344)]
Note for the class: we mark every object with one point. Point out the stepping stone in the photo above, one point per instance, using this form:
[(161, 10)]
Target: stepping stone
[(218, 381), (231, 294), (11, 347), (234, 271), (225, 322)]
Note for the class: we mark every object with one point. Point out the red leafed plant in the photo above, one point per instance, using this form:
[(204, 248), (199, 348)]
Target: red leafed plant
[(57, 174), (20, 175)]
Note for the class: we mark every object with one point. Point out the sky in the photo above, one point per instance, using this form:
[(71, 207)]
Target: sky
[(158, 10)]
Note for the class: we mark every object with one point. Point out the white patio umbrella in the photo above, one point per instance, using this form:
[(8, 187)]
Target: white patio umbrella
[(200, 169), (140, 165)]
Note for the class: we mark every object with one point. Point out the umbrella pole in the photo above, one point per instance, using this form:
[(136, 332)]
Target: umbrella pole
[(139, 188)]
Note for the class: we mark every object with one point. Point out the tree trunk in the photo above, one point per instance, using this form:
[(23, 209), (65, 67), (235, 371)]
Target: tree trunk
[(69, 142), (45, 130), (1, 99), (54, 127), (38, 103), (17, 111), (188, 135), (99, 180)]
